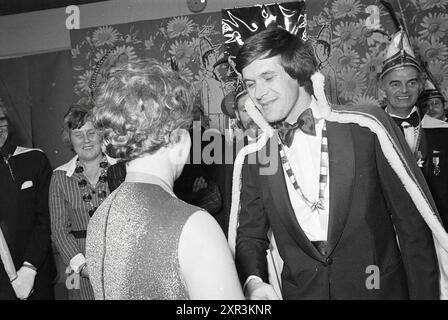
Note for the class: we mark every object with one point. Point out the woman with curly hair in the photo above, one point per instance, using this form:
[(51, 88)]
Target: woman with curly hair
[(143, 242)]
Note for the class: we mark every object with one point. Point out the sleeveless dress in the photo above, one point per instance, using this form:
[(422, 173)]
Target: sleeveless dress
[(132, 242)]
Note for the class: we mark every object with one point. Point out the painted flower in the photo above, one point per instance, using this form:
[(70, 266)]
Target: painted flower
[(342, 59), (196, 43), (429, 4), (346, 33), (75, 52), (372, 62), (105, 35), (179, 26), (418, 45), (434, 50), (365, 100), (183, 51), (351, 83), (345, 8), (366, 35), (439, 70), (127, 50), (372, 36), (83, 82), (100, 54), (200, 76), (149, 43), (434, 26), (186, 74)]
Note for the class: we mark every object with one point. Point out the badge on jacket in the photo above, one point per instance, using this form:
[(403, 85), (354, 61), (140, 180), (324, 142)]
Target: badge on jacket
[(436, 161)]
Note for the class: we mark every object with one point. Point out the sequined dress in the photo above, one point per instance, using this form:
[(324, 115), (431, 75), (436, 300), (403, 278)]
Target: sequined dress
[(132, 243)]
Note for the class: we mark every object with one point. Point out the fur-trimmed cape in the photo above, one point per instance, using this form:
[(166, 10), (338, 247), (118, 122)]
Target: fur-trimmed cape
[(395, 151)]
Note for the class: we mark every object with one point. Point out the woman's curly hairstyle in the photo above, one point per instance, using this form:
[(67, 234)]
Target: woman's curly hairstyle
[(139, 106)]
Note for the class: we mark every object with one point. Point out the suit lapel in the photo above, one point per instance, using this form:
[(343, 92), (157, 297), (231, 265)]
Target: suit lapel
[(342, 172), (276, 185)]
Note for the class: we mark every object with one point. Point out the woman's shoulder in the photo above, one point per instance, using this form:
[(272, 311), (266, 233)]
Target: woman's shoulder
[(155, 194), (59, 176), (201, 222), (66, 168)]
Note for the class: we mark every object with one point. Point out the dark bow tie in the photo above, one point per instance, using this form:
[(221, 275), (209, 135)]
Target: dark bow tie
[(413, 120), (305, 122)]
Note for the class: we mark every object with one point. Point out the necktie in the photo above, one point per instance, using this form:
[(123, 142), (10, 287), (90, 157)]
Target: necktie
[(305, 122), (413, 120)]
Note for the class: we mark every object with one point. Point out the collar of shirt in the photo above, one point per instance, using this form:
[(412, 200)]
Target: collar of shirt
[(395, 116), (304, 156), (70, 166)]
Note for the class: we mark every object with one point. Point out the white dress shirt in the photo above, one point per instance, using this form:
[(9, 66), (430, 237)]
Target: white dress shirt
[(304, 157), (410, 133)]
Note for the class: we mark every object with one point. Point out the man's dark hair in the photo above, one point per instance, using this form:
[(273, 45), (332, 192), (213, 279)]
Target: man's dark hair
[(297, 56)]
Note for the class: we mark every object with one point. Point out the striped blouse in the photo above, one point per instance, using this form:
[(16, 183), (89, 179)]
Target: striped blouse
[(69, 213)]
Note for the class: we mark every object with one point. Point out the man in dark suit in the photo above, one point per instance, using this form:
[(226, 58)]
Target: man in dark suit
[(403, 83), (338, 202), (436, 131), (437, 179), (24, 220)]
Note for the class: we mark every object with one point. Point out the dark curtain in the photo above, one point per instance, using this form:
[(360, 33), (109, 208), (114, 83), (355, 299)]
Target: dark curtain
[(37, 90)]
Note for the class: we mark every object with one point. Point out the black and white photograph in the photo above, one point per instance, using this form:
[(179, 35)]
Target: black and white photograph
[(233, 152)]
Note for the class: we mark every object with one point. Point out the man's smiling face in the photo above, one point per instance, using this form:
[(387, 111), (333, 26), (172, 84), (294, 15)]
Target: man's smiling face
[(271, 87), (402, 87)]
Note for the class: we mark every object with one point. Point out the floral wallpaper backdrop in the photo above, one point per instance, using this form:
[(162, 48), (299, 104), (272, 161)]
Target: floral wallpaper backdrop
[(351, 38), (192, 44)]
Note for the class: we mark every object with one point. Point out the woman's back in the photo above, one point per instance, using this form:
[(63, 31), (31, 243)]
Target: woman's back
[(133, 242)]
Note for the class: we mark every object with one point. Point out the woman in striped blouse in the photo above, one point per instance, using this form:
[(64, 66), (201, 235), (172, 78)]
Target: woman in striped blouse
[(77, 188)]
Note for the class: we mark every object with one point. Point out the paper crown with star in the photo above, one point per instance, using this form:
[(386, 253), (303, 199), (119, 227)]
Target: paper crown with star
[(430, 91), (399, 54)]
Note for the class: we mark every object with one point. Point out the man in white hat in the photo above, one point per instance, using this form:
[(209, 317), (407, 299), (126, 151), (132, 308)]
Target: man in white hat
[(345, 190), (403, 83)]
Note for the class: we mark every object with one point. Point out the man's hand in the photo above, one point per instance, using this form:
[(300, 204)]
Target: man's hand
[(24, 283), (259, 290), (199, 184)]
